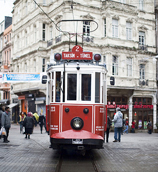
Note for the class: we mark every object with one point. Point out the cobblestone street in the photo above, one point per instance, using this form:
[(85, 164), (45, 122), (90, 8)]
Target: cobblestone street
[(136, 152)]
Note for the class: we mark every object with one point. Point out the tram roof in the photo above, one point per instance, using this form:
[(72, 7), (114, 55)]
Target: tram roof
[(75, 64)]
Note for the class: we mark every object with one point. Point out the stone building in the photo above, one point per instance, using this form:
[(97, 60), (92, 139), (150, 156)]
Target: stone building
[(5, 56), (124, 37)]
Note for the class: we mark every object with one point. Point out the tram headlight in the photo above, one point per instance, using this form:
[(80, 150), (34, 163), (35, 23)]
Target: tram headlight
[(77, 123)]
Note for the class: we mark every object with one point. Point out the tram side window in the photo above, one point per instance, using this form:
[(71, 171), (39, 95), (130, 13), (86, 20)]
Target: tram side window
[(58, 85), (71, 86), (97, 87), (86, 87)]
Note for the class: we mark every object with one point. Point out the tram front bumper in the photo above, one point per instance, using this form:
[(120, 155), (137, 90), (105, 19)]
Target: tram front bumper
[(73, 138)]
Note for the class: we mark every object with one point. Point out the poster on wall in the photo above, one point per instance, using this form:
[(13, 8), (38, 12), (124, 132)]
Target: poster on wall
[(140, 123), (145, 124)]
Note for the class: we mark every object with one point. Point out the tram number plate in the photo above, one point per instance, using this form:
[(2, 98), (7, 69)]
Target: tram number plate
[(77, 141)]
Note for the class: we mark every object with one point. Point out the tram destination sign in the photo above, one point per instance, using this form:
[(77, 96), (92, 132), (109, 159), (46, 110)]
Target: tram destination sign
[(77, 54)]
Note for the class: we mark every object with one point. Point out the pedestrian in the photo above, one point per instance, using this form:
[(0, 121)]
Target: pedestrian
[(123, 124), (21, 121), (5, 122), (117, 125), (2, 109), (126, 124), (28, 123), (149, 127), (36, 118), (109, 123), (41, 121), (133, 126)]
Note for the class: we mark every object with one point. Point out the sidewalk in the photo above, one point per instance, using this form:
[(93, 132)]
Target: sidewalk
[(27, 155)]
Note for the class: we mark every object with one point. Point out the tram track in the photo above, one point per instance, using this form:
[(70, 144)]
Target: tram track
[(74, 161)]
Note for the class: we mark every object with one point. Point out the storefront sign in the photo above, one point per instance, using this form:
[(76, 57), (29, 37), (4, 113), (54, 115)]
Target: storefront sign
[(115, 106), (143, 106)]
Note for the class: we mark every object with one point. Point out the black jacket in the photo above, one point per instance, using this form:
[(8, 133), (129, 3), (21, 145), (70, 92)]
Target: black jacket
[(28, 122), (41, 120)]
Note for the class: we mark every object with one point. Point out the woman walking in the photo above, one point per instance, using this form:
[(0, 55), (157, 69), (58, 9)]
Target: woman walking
[(28, 123), (21, 121)]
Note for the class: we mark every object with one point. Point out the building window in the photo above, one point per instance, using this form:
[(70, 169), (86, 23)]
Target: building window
[(104, 59), (141, 4), (114, 65), (142, 71), (123, 1), (51, 32), (129, 66), (115, 28), (86, 28), (25, 41), (141, 38), (18, 69), (128, 31), (104, 27), (25, 67), (43, 65), (44, 2), (26, 7), (44, 32), (35, 33), (35, 65)]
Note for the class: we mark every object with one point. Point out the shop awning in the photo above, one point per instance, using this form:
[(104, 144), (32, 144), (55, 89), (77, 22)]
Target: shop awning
[(12, 105), (4, 101)]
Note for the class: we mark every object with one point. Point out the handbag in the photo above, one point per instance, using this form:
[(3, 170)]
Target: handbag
[(3, 132)]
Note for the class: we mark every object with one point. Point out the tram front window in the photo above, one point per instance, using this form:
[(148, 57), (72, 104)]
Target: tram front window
[(86, 87), (71, 85)]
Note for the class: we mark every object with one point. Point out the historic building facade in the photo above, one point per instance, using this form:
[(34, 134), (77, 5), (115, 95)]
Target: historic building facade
[(124, 38), (5, 56)]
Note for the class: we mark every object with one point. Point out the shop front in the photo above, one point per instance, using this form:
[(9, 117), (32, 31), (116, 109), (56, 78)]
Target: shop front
[(142, 112), (114, 102)]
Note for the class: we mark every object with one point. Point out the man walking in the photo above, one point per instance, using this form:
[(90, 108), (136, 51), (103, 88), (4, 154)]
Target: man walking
[(5, 122), (118, 125), (41, 121), (1, 111)]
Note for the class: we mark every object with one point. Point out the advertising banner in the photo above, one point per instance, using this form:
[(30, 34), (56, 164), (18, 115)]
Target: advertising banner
[(21, 77)]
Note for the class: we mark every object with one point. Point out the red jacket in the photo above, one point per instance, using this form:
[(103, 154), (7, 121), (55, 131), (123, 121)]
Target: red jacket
[(133, 124)]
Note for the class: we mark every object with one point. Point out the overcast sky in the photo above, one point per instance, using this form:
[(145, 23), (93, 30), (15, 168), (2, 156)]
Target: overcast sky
[(6, 6)]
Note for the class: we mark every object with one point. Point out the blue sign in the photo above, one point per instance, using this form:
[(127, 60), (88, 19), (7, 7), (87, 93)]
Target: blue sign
[(21, 77)]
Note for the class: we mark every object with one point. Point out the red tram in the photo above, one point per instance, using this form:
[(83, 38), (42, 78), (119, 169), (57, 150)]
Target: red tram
[(76, 100)]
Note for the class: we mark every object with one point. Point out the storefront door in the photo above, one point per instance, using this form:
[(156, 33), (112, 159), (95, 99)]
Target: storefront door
[(141, 118)]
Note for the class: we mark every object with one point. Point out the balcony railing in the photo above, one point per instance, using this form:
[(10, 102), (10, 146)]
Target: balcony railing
[(143, 47), (88, 38), (143, 82), (58, 39), (50, 42)]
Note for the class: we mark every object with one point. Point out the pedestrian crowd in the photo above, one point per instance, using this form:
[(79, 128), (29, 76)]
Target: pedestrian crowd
[(121, 126), (27, 121)]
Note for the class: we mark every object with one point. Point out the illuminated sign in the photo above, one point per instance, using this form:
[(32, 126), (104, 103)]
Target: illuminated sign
[(77, 54)]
